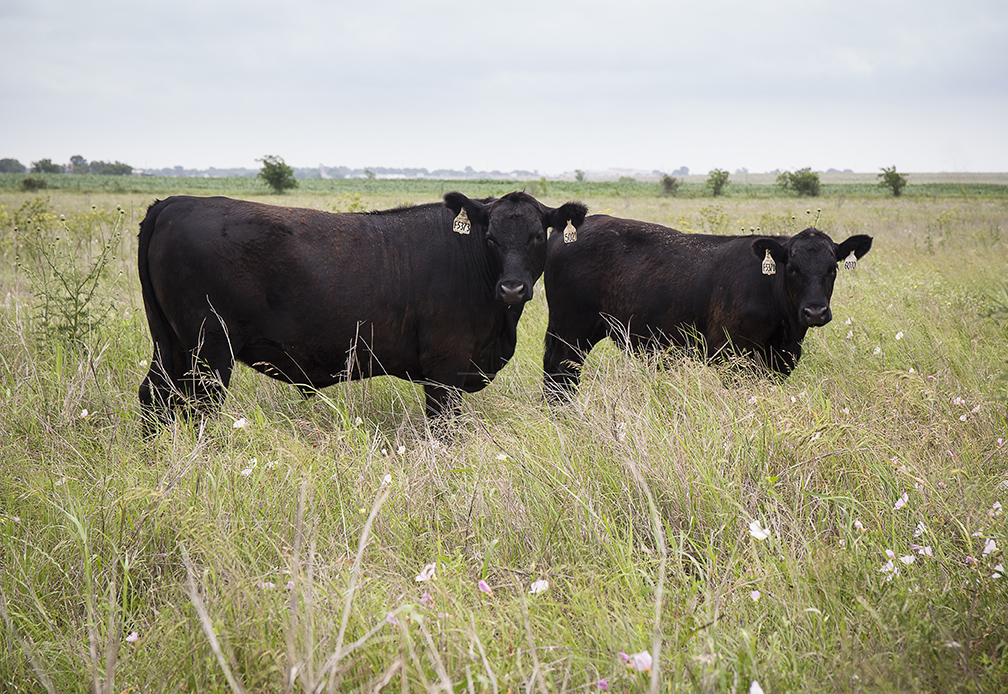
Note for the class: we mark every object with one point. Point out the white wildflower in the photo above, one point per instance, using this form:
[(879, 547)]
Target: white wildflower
[(757, 531), (538, 586)]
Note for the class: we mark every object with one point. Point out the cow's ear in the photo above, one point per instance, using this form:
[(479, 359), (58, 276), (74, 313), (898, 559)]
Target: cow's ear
[(770, 252), (859, 245), (568, 217), (476, 212)]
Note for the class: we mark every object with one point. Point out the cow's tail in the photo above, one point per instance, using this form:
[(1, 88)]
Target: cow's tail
[(162, 365)]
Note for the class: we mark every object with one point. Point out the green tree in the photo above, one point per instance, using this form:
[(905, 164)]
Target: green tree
[(717, 180), (892, 180), (78, 164), (670, 184), (46, 166), (277, 174), (11, 166), (803, 181), (579, 175), (110, 169)]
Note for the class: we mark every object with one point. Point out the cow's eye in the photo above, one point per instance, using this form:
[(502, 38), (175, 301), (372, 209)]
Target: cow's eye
[(490, 240)]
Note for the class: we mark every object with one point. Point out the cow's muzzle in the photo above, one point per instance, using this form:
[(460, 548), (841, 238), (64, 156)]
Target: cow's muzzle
[(816, 315), (513, 292)]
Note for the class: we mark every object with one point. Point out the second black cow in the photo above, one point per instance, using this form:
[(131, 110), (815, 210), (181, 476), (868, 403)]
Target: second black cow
[(431, 293), (648, 286)]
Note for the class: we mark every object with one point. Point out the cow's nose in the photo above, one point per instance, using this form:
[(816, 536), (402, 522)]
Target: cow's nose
[(512, 292), (817, 315)]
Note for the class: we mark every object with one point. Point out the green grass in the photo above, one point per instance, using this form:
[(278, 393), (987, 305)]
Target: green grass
[(634, 501)]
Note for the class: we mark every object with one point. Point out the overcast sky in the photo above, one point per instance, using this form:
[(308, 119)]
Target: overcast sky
[(538, 85)]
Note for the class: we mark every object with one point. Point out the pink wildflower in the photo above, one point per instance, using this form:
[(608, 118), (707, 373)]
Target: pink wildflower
[(641, 662), (427, 574)]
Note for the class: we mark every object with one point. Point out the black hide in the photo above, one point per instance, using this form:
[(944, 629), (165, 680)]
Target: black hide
[(313, 298), (647, 286)]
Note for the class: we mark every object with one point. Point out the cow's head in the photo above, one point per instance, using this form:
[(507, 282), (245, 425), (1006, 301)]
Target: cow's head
[(514, 229), (808, 264)]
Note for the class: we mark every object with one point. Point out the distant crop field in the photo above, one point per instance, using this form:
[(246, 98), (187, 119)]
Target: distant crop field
[(693, 186), (840, 530)]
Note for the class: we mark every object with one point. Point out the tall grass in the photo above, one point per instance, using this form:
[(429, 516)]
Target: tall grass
[(276, 547)]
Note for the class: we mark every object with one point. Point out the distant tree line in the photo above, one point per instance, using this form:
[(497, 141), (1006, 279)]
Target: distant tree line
[(77, 165)]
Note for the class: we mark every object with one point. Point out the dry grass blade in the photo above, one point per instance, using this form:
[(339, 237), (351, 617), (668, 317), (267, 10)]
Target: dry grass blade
[(338, 654), (27, 647), (207, 625)]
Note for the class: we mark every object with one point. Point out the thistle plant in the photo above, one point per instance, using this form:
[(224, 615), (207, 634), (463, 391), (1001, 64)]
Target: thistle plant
[(64, 281)]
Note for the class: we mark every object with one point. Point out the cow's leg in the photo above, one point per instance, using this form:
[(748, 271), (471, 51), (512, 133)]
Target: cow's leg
[(440, 400), (205, 383), (562, 363)]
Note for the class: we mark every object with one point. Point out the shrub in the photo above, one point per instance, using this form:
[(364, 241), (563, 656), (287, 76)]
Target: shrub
[(717, 180), (714, 219), (670, 184), (30, 183), (277, 174), (892, 180), (803, 181)]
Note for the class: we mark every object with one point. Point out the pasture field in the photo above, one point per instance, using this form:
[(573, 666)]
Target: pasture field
[(841, 530)]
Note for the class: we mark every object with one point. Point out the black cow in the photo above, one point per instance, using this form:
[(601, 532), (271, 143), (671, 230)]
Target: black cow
[(313, 298), (647, 286)]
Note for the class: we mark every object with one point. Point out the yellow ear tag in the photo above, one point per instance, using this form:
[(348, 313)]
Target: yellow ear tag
[(769, 266), (461, 225), (850, 262), (570, 233)]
